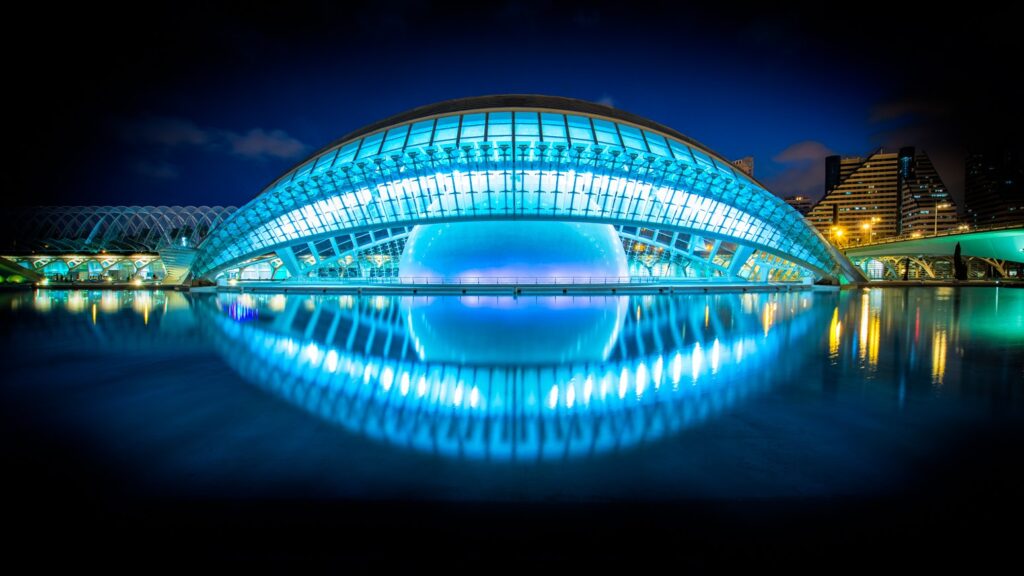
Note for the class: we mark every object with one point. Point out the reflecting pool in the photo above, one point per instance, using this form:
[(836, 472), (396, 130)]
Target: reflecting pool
[(516, 398)]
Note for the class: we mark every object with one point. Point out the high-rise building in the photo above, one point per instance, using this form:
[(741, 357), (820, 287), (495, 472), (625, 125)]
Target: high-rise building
[(837, 168), (994, 188), (803, 204), (925, 203), (883, 195), (746, 164)]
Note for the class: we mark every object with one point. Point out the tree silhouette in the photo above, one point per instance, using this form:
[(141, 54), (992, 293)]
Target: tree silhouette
[(959, 266)]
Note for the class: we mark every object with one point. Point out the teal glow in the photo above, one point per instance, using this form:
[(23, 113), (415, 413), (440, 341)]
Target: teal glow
[(512, 331), (513, 249), (515, 164), (476, 377)]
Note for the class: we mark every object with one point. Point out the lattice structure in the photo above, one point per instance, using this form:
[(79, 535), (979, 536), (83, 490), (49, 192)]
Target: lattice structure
[(113, 229), (514, 157), (109, 243)]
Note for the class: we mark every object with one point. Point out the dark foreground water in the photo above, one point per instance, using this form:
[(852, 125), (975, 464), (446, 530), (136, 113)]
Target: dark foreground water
[(300, 419)]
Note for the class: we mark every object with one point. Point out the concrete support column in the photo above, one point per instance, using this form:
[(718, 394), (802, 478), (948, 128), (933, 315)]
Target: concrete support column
[(290, 262)]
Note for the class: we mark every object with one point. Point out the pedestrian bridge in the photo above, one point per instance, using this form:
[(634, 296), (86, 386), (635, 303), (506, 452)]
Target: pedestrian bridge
[(1001, 249)]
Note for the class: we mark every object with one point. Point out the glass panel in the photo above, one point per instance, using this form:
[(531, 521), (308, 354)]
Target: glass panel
[(553, 126), (725, 169), (472, 128), (304, 170), (657, 144), (324, 162), (526, 126), (324, 249), (606, 133), (371, 145), (632, 138), (703, 159), (348, 152), (395, 139), (420, 133), (447, 130), (579, 129), (499, 126), (681, 152)]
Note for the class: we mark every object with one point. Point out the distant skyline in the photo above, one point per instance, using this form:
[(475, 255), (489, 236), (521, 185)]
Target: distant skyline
[(201, 105)]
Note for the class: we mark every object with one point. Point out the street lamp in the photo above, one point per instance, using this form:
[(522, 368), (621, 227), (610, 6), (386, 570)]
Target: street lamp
[(935, 227)]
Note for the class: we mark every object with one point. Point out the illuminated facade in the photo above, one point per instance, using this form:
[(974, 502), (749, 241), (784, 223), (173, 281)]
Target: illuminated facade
[(886, 194), (348, 210)]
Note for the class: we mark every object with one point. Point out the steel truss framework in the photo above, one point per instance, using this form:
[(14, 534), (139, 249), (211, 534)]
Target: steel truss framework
[(124, 229), (996, 252), (93, 241), (521, 163), (932, 267)]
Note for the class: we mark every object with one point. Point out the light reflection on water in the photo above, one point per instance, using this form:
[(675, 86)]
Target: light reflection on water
[(488, 378), (504, 378)]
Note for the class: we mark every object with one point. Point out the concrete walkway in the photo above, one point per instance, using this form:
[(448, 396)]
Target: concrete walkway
[(510, 288)]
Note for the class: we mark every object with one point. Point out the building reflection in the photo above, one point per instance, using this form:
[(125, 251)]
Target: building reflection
[(566, 377), (916, 337), (110, 319), (563, 377)]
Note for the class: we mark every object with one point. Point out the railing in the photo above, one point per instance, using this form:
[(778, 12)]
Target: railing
[(492, 280), (948, 232)]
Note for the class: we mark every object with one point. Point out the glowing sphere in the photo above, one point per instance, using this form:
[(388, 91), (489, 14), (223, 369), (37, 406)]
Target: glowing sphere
[(506, 330), (506, 249)]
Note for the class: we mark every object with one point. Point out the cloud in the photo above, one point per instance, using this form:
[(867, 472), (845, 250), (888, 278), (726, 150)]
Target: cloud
[(805, 169), (167, 134), (903, 109), (922, 124), (258, 143), (159, 170), (607, 100), (806, 151)]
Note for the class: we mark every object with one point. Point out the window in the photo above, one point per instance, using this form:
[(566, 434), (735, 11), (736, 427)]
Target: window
[(606, 133), (446, 131), (579, 129), (527, 127), (473, 128), (553, 127), (499, 126)]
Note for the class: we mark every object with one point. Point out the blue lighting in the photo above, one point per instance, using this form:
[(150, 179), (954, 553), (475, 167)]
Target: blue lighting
[(522, 165), (511, 331), (494, 250), (433, 377), (242, 311)]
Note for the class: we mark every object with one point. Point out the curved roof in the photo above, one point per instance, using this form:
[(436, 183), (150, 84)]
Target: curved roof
[(69, 229), (510, 102)]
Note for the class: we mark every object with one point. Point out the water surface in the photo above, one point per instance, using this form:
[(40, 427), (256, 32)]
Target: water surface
[(539, 399)]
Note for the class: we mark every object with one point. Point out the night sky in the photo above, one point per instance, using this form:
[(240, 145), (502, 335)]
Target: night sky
[(192, 104)]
